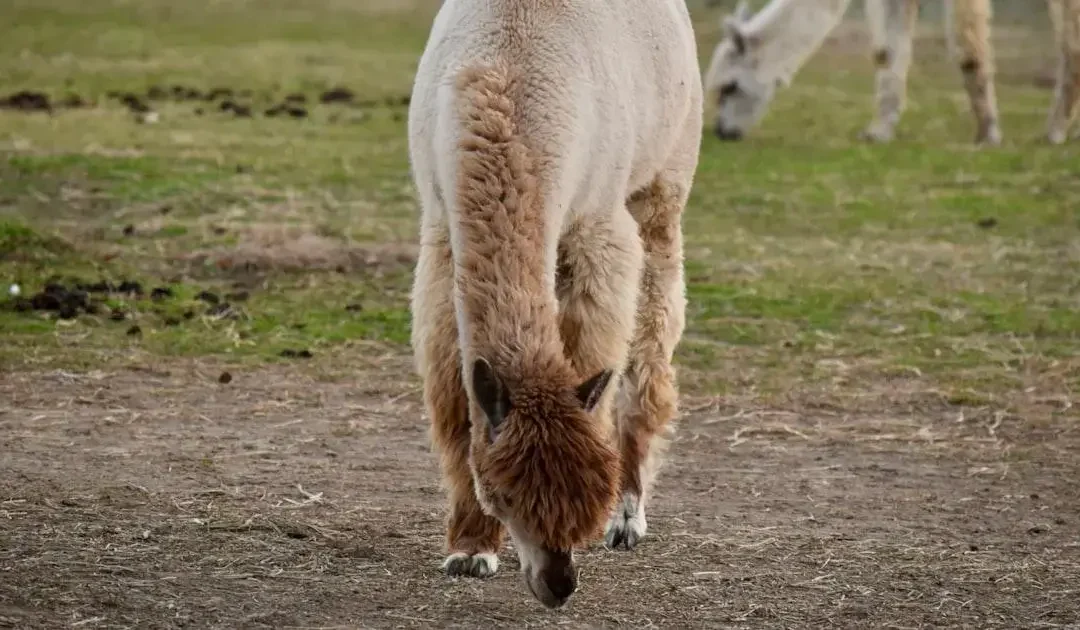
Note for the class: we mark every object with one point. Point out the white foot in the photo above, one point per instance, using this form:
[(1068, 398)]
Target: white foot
[(475, 565), (627, 524), (878, 133), (1057, 136), (990, 137)]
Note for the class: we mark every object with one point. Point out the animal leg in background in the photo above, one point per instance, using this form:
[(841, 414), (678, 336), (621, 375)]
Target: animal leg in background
[(647, 401), (892, 23), (473, 537), (1066, 18), (971, 19)]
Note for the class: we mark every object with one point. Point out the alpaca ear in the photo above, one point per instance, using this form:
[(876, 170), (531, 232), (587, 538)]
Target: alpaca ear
[(491, 395), (590, 391), (733, 31)]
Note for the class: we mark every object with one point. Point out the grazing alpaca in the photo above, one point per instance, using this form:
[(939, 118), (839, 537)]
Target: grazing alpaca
[(763, 52), (553, 145)]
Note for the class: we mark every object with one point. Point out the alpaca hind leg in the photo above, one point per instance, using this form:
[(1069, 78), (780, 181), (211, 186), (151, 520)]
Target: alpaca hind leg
[(1066, 18), (971, 19), (892, 23), (473, 537), (647, 401)]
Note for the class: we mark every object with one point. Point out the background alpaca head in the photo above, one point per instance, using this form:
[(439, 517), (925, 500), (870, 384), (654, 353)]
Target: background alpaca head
[(735, 80)]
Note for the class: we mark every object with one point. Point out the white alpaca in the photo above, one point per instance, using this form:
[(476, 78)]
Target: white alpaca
[(553, 145), (762, 52)]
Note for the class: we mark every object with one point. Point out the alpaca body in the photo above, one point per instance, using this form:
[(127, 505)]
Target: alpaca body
[(553, 145)]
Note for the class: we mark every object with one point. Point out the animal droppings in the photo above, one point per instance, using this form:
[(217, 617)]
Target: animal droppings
[(160, 293), (289, 353), (27, 101), (337, 95)]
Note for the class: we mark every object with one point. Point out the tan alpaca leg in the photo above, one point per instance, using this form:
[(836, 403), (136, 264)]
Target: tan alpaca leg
[(473, 538), (1066, 18), (647, 401), (971, 19), (892, 24), (599, 273)]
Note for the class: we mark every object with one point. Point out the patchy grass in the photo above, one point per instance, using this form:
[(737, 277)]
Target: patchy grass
[(813, 260)]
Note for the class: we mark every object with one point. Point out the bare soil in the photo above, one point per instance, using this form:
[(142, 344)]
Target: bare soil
[(165, 499)]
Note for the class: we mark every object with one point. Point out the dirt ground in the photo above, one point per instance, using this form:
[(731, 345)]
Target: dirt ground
[(164, 498)]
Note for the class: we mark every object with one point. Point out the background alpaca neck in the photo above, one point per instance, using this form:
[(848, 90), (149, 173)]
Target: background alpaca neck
[(788, 32)]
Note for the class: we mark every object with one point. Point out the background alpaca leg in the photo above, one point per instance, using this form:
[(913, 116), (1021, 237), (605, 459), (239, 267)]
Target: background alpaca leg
[(473, 538), (950, 30), (971, 19), (1066, 18), (892, 24), (647, 401)]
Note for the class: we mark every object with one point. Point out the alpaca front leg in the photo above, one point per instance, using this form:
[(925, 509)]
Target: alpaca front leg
[(1066, 18), (892, 23), (599, 273), (473, 538), (647, 402), (971, 20)]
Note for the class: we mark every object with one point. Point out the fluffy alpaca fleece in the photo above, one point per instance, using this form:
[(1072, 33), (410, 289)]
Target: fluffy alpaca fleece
[(761, 52), (553, 145)]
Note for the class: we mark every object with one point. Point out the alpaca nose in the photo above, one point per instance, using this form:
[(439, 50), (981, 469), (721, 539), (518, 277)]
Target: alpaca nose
[(556, 581), (561, 583)]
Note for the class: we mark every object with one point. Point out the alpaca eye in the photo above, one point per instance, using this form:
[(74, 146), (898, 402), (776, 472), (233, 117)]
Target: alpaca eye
[(729, 89)]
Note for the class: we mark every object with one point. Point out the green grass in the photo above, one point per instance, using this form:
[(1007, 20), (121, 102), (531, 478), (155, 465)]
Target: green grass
[(812, 258)]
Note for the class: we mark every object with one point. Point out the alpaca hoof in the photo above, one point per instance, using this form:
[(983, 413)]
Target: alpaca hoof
[(471, 565), (877, 134), (989, 137), (627, 525), (1057, 136)]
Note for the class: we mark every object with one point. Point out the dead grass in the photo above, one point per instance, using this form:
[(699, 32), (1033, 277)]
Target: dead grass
[(265, 503), (268, 248)]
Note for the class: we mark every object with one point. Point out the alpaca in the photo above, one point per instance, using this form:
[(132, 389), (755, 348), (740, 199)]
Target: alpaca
[(763, 52), (553, 145)]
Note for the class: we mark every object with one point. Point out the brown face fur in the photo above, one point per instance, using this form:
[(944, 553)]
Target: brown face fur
[(547, 469)]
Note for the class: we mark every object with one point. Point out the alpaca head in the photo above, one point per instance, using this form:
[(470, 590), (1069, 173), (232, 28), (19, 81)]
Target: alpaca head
[(740, 88), (544, 467)]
